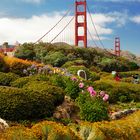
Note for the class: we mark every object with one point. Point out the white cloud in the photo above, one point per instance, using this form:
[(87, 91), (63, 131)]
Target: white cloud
[(120, 17), (136, 19), (31, 29), (32, 1)]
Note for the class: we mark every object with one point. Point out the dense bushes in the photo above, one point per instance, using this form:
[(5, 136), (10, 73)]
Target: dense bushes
[(57, 55), (124, 129), (57, 59), (72, 88), (26, 51), (92, 108), (119, 64), (34, 102), (15, 65), (42, 87), (6, 78), (2, 63), (119, 91), (20, 82), (45, 130)]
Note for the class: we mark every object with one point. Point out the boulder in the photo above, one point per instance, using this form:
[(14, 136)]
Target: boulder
[(3, 125)]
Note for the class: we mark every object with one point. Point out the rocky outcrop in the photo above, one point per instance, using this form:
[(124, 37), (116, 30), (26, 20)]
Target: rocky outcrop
[(65, 110), (120, 114)]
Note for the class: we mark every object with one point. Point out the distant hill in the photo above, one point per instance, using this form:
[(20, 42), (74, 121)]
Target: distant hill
[(126, 54)]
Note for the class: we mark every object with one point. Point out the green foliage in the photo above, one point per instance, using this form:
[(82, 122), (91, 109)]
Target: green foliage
[(6, 78), (122, 94), (72, 89), (119, 64), (2, 63), (77, 62), (92, 108), (59, 54), (56, 59), (133, 66), (58, 80), (25, 51), (20, 82), (103, 85), (33, 102), (129, 73), (42, 87), (119, 91)]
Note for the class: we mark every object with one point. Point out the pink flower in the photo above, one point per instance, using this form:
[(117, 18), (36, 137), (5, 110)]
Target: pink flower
[(81, 85), (106, 97), (102, 94), (91, 91), (74, 79)]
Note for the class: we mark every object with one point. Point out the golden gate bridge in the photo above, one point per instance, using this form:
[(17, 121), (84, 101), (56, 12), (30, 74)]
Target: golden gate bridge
[(81, 27)]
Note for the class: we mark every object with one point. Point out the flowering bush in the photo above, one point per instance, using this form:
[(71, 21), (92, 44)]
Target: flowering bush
[(34, 69), (92, 107)]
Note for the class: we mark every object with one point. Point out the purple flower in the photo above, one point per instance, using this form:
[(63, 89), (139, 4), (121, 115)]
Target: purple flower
[(102, 93), (81, 85), (74, 79), (25, 71), (106, 97), (91, 91)]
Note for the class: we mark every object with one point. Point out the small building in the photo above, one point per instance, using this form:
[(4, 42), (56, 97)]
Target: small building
[(8, 50)]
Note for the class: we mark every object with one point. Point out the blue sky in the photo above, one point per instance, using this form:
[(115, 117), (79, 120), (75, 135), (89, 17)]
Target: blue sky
[(27, 20)]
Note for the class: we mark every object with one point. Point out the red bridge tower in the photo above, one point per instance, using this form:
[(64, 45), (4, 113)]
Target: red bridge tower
[(80, 13), (117, 46)]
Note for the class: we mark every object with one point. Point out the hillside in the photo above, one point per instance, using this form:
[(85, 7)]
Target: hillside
[(63, 55), (60, 92)]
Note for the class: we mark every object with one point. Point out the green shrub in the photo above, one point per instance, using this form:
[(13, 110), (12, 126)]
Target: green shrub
[(122, 94), (43, 87), (119, 91), (20, 82), (6, 78), (72, 89), (128, 74), (77, 62), (2, 63), (58, 80), (103, 85), (119, 64), (93, 76), (92, 108), (26, 51), (27, 104), (17, 67), (56, 59)]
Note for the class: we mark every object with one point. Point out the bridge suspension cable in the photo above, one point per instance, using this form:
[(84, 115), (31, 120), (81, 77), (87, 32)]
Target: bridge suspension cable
[(97, 32), (67, 12), (62, 30)]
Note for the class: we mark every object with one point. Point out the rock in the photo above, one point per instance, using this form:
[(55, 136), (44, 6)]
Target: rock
[(120, 114), (64, 111), (3, 125)]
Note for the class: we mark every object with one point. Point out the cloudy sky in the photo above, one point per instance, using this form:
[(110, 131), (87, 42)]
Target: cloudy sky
[(28, 20)]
